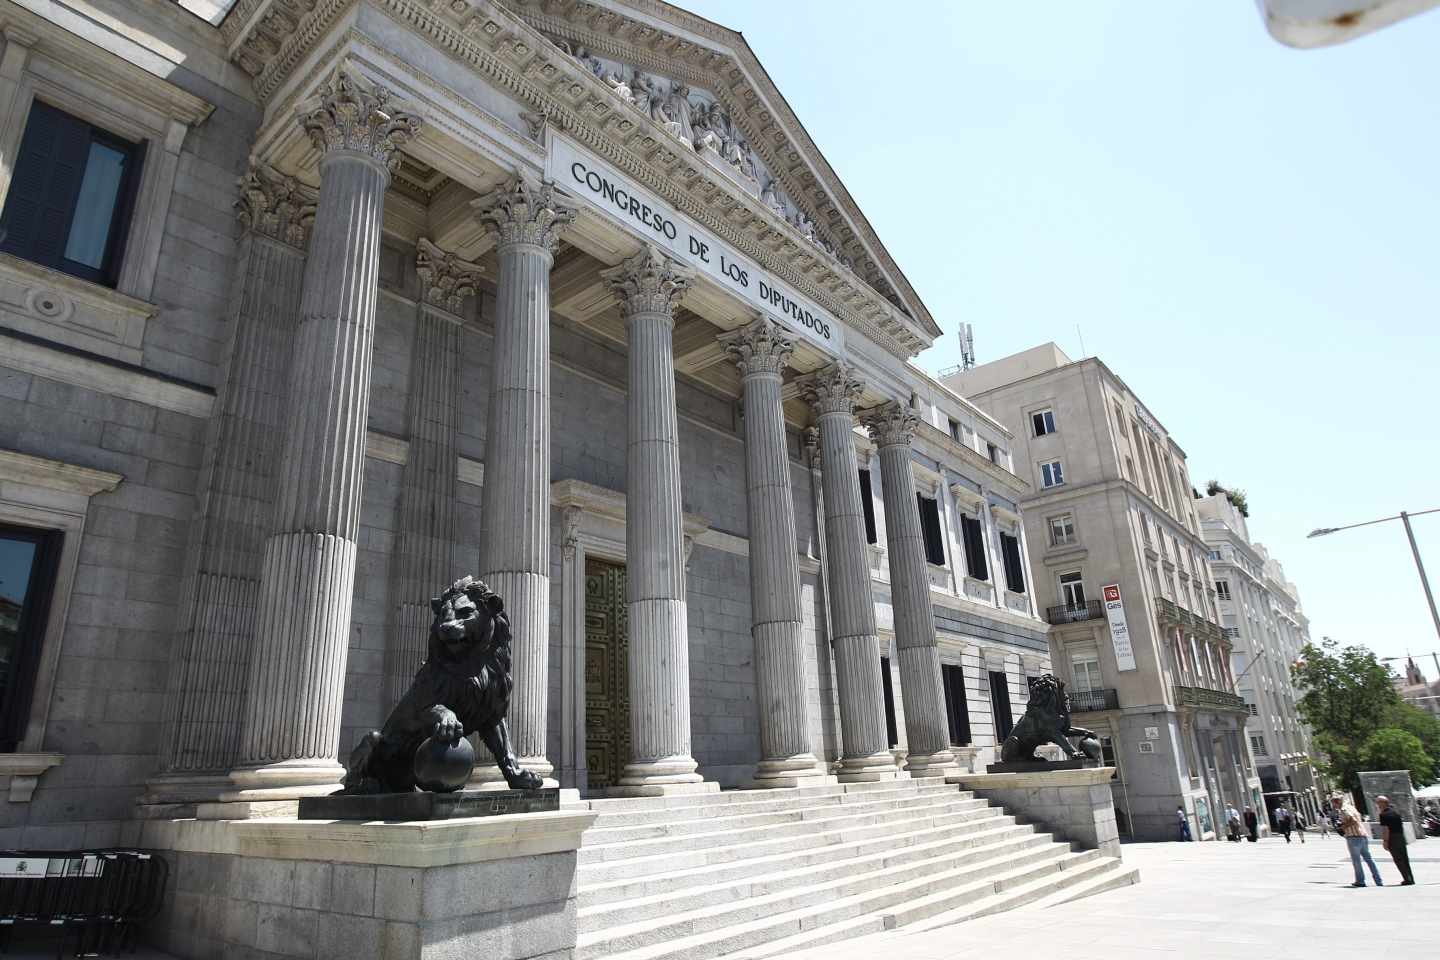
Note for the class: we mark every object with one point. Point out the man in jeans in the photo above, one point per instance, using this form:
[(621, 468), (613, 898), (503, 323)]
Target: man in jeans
[(1392, 829), (1357, 837)]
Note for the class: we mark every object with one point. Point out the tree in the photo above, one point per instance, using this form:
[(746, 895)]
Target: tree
[(1392, 749), (1236, 497), (1347, 696), (1413, 720)]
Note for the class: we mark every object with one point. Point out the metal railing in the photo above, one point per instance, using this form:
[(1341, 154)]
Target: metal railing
[(100, 897), (1210, 699), (1084, 701), (1074, 612)]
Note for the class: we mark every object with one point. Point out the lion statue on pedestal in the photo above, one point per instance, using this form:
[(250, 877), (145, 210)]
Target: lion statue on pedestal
[(1047, 720), (463, 687)]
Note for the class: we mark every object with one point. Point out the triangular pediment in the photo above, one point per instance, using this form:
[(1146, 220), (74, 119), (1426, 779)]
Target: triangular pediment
[(703, 84)]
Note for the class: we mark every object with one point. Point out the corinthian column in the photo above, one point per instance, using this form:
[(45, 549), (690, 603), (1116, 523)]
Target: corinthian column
[(832, 392), (927, 733), (297, 671), (515, 501), (647, 286), (761, 350)]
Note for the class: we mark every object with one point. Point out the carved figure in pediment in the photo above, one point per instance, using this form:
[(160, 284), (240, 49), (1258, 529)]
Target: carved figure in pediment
[(592, 63), (803, 223), (706, 136), (682, 111), (773, 197), (621, 87), (742, 159)]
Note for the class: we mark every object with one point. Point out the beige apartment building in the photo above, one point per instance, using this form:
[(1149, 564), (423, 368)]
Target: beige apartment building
[(1261, 615), (1120, 572)]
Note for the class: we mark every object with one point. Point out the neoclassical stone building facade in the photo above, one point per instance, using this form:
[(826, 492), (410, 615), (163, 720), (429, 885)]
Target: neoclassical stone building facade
[(382, 292)]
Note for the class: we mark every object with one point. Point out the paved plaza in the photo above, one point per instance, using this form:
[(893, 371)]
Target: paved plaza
[(1196, 901)]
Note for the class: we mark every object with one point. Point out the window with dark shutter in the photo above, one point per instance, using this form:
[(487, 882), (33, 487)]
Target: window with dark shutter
[(70, 196), (29, 559), (930, 530), (1000, 705), (1014, 567), (957, 708), (974, 538), (867, 506)]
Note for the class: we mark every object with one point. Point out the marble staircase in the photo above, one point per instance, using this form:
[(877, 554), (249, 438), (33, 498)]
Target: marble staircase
[(761, 873)]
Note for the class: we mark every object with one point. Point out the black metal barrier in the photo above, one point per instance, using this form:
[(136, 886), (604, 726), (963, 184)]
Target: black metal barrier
[(100, 897)]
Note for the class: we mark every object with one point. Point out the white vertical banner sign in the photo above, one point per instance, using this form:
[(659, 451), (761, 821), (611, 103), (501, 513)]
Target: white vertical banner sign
[(617, 197), (1119, 630)]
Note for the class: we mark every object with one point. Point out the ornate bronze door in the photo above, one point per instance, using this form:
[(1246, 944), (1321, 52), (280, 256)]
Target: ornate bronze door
[(607, 673)]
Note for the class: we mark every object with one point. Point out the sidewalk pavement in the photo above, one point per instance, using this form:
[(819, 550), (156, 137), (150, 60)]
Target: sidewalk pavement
[(1206, 901)]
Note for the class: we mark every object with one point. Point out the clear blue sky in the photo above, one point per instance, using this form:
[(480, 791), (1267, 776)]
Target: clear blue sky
[(1246, 233)]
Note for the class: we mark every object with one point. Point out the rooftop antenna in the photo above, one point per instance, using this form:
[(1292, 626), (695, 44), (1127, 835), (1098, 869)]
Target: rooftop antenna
[(1083, 354), (967, 346)]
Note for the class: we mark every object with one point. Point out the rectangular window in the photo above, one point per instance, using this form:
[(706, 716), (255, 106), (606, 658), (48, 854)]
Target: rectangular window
[(1051, 474), (1120, 421), (1043, 422), (1000, 705), (992, 451), (1222, 589), (1062, 529), (957, 709), (931, 530), (1257, 744), (1072, 590), (1129, 468), (954, 431), (891, 730), (1085, 670), (867, 506), (1214, 554), (1254, 710), (28, 559), (1107, 753), (1014, 565), (70, 196), (973, 536)]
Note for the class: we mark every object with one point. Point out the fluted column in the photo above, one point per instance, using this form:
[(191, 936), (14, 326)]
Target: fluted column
[(865, 755), (927, 732), (297, 672), (205, 696), (515, 503), (647, 286), (761, 350)]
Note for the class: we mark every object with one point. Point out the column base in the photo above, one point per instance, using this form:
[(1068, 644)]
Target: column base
[(286, 780), (660, 789), (186, 788), (661, 778), (801, 770), (941, 763), (870, 769)]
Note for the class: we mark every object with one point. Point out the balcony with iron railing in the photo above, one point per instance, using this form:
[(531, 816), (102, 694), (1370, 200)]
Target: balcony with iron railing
[(1089, 701), (1074, 612)]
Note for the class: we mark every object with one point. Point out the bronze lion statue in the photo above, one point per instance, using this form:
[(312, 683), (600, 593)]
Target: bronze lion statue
[(1047, 720), (462, 687)]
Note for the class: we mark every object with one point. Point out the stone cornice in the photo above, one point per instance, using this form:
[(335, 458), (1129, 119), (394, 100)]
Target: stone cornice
[(519, 60), (55, 475)]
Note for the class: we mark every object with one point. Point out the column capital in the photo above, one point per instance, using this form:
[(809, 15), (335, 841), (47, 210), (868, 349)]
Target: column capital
[(648, 282), (352, 114), (275, 206), (890, 424), (445, 278), (525, 212), (758, 347), (832, 389)]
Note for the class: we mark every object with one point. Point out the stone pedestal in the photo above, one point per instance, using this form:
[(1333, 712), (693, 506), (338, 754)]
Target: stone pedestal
[(1075, 805), (500, 887), (865, 753), (1395, 786)]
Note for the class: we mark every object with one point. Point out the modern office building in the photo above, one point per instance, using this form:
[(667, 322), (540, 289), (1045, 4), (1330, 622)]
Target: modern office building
[(1120, 571)]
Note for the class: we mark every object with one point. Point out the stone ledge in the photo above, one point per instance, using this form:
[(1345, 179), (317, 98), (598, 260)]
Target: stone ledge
[(1022, 781), (427, 844)]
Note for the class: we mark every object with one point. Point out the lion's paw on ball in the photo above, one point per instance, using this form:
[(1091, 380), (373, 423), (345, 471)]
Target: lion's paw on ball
[(443, 767)]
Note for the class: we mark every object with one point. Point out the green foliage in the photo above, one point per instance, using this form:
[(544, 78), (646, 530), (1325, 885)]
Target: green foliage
[(1236, 497), (1347, 696), (1423, 726), (1392, 749)]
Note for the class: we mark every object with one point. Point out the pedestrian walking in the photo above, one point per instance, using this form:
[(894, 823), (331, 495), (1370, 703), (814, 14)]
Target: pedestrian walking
[(1357, 837), (1282, 821), (1392, 837), (1232, 824), (1298, 819), (1252, 824), (1184, 823)]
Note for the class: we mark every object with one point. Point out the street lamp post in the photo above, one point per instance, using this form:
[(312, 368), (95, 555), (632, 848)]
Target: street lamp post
[(1404, 518)]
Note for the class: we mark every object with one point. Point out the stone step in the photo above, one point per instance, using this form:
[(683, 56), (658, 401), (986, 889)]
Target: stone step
[(750, 934), (1032, 891), (888, 850), (635, 922), (1115, 875), (596, 866), (1081, 869), (661, 809), (634, 837)]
